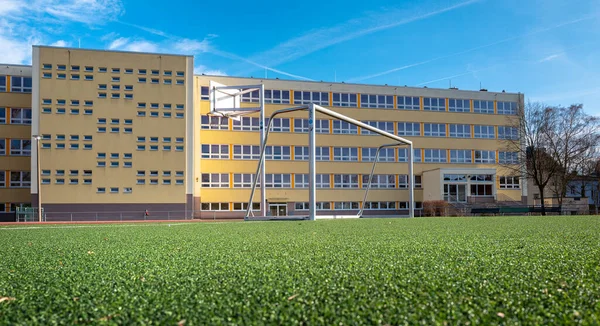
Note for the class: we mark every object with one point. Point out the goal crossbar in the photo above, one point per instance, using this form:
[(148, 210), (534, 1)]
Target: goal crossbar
[(312, 110)]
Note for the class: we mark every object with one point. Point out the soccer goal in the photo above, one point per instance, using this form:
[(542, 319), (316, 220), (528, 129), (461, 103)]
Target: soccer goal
[(226, 102)]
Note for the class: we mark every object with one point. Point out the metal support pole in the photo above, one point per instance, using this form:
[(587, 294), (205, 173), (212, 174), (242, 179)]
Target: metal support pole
[(263, 173), (411, 182), (38, 138), (312, 165)]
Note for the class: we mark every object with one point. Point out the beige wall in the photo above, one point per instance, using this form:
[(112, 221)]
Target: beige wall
[(108, 108)]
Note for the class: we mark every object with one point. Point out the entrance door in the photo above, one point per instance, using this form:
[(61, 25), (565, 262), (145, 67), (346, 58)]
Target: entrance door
[(278, 209), (455, 193)]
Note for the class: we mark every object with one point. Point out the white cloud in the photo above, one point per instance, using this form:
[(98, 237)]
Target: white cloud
[(201, 69), (141, 46), (118, 43), (83, 11), (550, 58), (8, 6), (192, 46), (61, 43)]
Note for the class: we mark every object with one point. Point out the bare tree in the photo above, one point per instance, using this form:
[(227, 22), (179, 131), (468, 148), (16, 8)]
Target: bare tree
[(571, 137), (589, 177), (530, 146)]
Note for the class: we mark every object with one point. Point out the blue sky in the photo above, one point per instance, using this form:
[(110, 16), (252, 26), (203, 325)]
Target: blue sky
[(547, 49)]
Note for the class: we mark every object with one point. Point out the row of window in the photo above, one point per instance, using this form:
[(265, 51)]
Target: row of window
[(302, 206), (350, 154), (152, 114), (141, 80), (63, 102), (155, 139), (343, 127), (16, 179), (245, 180), (128, 71), (18, 147), (18, 116), (76, 181), (18, 84), (156, 114), (166, 106), (350, 100)]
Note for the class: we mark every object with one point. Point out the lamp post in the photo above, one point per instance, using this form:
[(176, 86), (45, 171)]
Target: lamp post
[(37, 139)]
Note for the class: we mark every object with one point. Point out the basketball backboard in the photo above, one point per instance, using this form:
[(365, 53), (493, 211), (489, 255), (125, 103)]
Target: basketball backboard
[(226, 100)]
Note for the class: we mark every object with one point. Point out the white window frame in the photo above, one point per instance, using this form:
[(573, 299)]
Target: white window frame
[(215, 180), (506, 132), (484, 132), (21, 88), (345, 100), (485, 157), (208, 122), (459, 105), (214, 151), (403, 155), (301, 126), (246, 124), (380, 181), (510, 182), (345, 181), (508, 157), (437, 104), (307, 97), (375, 101), (345, 154), (386, 126), (344, 128), (21, 181), (460, 131), (483, 106), (278, 153), (277, 96), (279, 124), (385, 155), (461, 156), (246, 152), (19, 116), (408, 103), (243, 180), (506, 108), (22, 147), (434, 130), (278, 180), (380, 205), (435, 155), (409, 129)]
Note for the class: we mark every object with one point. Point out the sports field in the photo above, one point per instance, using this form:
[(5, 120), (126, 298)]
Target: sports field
[(487, 270)]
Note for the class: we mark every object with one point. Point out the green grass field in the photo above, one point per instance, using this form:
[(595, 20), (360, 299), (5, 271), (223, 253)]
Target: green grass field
[(492, 270)]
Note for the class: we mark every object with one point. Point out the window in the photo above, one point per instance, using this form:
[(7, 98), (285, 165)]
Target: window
[(47, 75), (129, 96), (60, 111), (101, 95), (128, 71), (179, 140), (345, 180), (20, 116), (246, 124), (460, 131), (20, 179), (507, 107), (101, 129), (2, 146), (89, 77), (115, 95), (2, 83), (127, 190), (127, 121), (509, 183), (320, 206), (141, 182), (20, 84), (155, 72), (179, 106), (44, 145), (180, 74), (154, 81), (279, 124), (307, 97), (116, 70), (75, 76), (166, 114), (127, 164), (484, 132), (403, 181), (214, 206), (380, 205), (88, 103), (215, 180), (141, 71), (381, 181), (115, 79), (114, 121), (301, 181), (460, 156), (301, 153), (60, 181), (153, 181), (74, 146), (434, 104), (505, 132), (243, 180), (141, 113), (435, 156), (277, 96), (246, 152), (214, 123), (205, 94), (87, 137), (435, 129), (409, 103), (74, 111), (167, 106), (101, 121), (61, 76), (154, 105), (346, 205), (277, 153), (20, 147), (47, 66), (215, 151), (486, 107), (377, 101), (44, 110), (343, 127), (345, 100), (154, 147), (114, 130), (87, 146), (154, 139), (114, 190), (278, 181), (345, 154), (383, 125), (482, 190), (142, 80), (457, 105), (409, 129), (88, 112), (114, 164), (385, 154), (301, 126), (508, 157), (101, 164), (168, 81), (488, 157)]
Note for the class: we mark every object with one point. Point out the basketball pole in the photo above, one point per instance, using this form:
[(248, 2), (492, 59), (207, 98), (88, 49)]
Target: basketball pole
[(263, 173), (312, 164)]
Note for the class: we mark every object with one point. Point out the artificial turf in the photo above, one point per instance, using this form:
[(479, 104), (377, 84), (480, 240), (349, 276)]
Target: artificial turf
[(492, 270)]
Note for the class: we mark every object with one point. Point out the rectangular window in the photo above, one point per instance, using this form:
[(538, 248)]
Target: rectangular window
[(247, 124), (155, 72), (409, 129), (114, 190), (385, 154), (460, 131), (508, 157), (320, 206), (2, 146), (74, 146), (154, 147), (44, 110), (482, 190), (101, 95), (115, 95), (102, 86), (2, 83), (88, 112), (301, 126), (301, 181), (346, 205), (243, 180), (377, 101), (116, 70), (409, 103), (179, 106), (101, 164), (435, 156), (214, 123), (460, 156), (89, 77), (484, 132), (278, 180), (114, 164), (509, 183), (508, 108), (301, 153), (75, 76), (154, 80), (60, 111), (279, 124), (87, 137), (20, 147), (88, 103), (101, 129), (458, 105), (167, 106), (380, 205), (154, 105), (345, 154), (381, 181), (277, 153), (246, 152), (345, 180), (129, 96), (20, 179), (20, 116), (383, 125), (505, 132), (141, 71), (87, 146), (154, 139), (142, 80), (128, 71), (435, 129), (74, 67), (114, 129), (345, 100), (486, 107), (215, 206), (89, 69), (205, 94), (21, 84), (180, 74), (47, 66), (166, 114), (60, 181), (343, 127), (215, 151), (273, 96), (74, 111), (485, 157), (215, 180), (434, 104), (47, 75), (127, 164), (115, 79), (307, 97)]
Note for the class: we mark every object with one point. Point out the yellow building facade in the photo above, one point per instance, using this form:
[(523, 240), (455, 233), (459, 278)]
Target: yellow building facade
[(123, 133)]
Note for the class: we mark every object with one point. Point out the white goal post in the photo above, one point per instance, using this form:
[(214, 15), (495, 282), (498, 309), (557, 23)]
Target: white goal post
[(228, 106)]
